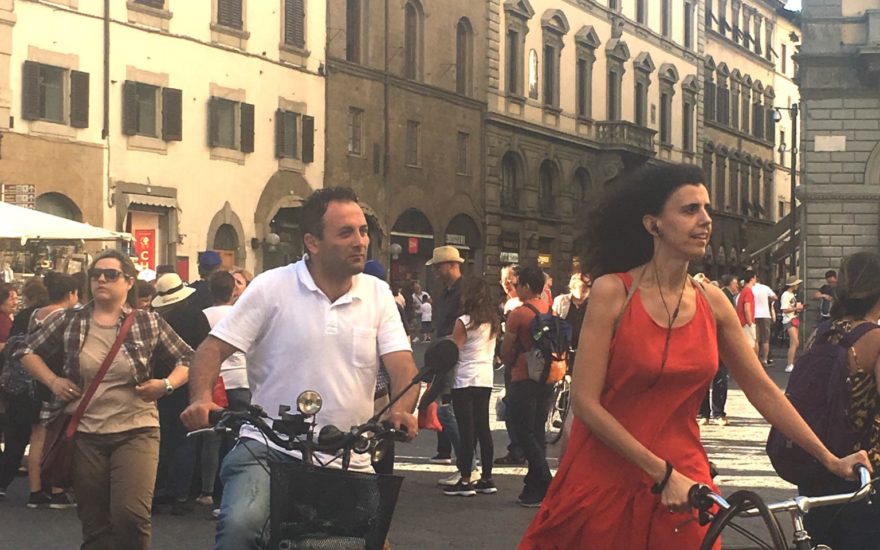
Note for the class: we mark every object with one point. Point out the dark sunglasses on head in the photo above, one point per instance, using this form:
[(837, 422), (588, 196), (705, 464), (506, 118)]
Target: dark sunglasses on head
[(110, 275)]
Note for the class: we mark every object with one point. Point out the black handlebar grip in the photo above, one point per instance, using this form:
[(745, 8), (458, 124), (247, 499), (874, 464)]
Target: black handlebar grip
[(697, 496), (215, 416)]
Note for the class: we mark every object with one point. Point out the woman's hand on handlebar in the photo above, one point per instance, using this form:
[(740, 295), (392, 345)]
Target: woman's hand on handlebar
[(195, 417), (405, 422), (675, 494), (844, 467)]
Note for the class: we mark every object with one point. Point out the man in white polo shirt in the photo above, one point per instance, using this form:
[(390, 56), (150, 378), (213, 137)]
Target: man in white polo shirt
[(318, 324), (764, 297)]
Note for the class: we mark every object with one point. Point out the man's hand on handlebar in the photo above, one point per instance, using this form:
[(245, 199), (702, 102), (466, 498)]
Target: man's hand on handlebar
[(844, 467), (195, 417), (405, 422)]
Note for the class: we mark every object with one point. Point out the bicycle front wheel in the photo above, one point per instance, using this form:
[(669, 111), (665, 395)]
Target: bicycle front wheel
[(559, 407)]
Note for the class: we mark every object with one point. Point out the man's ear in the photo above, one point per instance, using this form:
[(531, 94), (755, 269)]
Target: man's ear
[(311, 243)]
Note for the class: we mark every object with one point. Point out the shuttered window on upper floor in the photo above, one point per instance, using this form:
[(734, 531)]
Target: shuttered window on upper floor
[(152, 111), (55, 94), (229, 13), (231, 124), (158, 4), (295, 23), (294, 135)]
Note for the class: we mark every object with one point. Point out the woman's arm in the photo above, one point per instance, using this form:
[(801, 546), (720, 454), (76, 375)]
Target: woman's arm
[(764, 394), (155, 388), (459, 333), (588, 381), (64, 389)]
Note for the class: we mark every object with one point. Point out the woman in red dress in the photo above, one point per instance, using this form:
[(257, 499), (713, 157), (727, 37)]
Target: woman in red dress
[(653, 337)]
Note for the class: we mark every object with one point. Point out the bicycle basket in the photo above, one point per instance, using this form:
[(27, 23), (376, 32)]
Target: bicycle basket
[(322, 508)]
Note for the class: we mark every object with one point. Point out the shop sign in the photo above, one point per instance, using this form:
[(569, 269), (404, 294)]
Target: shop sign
[(509, 257), (145, 247), (456, 240), (544, 260), (19, 194), (412, 245)]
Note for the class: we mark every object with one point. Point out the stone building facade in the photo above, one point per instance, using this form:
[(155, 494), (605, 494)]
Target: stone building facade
[(576, 94), (747, 49), (405, 108), (840, 95), (193, 125)]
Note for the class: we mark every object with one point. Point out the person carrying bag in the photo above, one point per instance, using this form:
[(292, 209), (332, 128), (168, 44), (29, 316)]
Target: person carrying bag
[(108, 446)]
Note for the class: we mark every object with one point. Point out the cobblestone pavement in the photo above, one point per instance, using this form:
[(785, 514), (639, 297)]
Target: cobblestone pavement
[(425, 519)]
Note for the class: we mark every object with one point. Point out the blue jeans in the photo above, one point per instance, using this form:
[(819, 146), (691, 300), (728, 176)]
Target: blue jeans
[(446, 416), (244, 513)]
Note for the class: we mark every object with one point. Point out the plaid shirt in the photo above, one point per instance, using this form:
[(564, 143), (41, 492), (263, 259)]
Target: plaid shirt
[(150, 343)]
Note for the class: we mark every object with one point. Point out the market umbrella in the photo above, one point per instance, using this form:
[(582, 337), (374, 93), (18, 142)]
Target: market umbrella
[(25, 224)]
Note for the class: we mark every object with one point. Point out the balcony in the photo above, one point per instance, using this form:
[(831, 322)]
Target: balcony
[(626, 137)]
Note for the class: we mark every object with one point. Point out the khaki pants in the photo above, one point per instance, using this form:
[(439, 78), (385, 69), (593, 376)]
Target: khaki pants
[(113, 476)]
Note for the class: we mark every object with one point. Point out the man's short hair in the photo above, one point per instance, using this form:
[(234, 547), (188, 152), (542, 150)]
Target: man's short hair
[(830, 273), (748, 275), (726, 279), (533, 278), (222, 284), (315, 206)]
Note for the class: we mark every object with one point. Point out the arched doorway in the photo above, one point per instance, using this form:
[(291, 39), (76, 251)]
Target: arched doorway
[(283, 243), (414, 234), (58, 205), (226, 243), (463, 234)]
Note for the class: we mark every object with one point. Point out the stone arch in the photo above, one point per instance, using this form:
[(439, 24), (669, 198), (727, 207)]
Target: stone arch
[(58, 204), (872, 167), (414, 233), (549, 176), (284, 190), (227, 218), (582, 185), (512, 175), (464, 233)]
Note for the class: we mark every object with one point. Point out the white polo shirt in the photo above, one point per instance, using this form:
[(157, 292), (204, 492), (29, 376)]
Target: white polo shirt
[(296, 340)]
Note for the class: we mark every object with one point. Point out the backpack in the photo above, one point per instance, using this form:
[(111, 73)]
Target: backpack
[(819, 389), (14, 379), (546, 362)]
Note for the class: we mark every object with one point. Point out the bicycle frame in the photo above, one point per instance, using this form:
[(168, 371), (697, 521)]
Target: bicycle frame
[(702, 498)]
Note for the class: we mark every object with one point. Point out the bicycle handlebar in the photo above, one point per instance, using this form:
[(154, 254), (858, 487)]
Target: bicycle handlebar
[(702, 498)]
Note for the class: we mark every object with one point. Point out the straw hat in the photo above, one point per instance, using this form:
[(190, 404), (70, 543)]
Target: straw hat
[(170, 290), (793, 280), (443, 254)]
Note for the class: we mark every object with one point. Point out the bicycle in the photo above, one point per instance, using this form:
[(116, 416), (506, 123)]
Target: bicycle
[(314, 507), (748, 504), (560, 404)]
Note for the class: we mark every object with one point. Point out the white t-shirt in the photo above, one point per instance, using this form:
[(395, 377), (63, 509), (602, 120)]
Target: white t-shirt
[(789, 300), (763, 295), (296, 340), (425, 310), (474, 367), (511, 304), (234, 369)]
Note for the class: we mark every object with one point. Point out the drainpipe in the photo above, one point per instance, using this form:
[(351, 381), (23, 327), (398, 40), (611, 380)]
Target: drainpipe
[(105, 130)]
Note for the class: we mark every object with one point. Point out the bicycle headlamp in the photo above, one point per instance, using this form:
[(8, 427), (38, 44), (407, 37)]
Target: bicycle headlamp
[(309, 402)]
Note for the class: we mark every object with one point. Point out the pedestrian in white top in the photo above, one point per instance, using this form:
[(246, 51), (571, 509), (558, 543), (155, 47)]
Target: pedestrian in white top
[(318, 324), (426, 313), (475, 332), (764, 297), (233, 375), (791, 308)]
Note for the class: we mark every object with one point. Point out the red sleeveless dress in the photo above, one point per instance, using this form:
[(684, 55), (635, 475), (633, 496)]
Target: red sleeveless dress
[(598, 500)]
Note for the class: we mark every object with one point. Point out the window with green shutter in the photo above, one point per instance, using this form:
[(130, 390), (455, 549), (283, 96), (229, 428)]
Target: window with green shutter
[(229, 13), (294, 23)]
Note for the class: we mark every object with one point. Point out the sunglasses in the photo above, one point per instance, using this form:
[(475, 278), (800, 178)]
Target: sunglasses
[(110, 275)]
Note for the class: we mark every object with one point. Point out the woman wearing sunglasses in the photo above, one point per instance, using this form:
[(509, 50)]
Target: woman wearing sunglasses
[(119, 430), (654, 337)]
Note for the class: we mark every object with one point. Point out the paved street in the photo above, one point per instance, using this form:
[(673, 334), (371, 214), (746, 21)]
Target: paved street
[(426, 519)]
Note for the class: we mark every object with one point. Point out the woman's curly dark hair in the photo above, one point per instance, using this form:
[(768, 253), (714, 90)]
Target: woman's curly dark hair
[(858, 285), (613, 239), (476, 301)]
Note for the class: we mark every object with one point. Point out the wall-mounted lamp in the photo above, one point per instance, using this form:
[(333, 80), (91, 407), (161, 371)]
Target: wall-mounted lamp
[(395, 250), (271, 242)]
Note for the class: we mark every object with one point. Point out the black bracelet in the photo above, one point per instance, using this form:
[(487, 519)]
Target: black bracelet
[(657, 488)]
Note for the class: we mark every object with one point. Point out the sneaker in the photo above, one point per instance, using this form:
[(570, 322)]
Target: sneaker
[(485, 487), (38, 500), (450, 481), (769, 360), (530, 501), (215, 513), (722, 421), (61, 501), (205, 500), (702, 421), (789, 367), (460, 489), (437, 459), (509, 460)]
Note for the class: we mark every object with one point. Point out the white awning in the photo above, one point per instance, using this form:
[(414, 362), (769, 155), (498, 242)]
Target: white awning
[(25, 225)]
